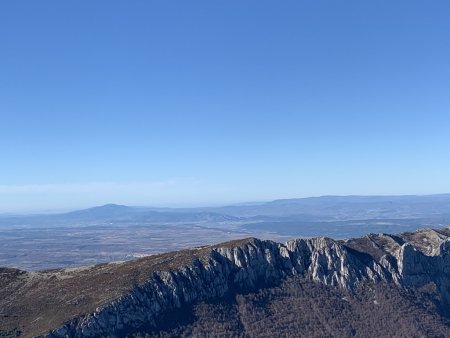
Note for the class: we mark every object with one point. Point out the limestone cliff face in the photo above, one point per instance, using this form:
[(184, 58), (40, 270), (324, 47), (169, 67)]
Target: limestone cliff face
[(255, 263)]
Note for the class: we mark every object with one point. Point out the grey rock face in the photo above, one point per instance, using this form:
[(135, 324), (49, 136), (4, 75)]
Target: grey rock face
[(417, 260)]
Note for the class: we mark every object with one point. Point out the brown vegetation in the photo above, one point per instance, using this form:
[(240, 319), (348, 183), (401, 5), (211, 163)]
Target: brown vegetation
[(35, 302)]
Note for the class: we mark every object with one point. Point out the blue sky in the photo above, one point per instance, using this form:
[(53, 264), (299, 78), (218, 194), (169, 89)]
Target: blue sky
[(184, 103)]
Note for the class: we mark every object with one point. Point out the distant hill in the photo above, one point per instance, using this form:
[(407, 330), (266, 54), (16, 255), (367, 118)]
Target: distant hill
[(350, 207), (104, 211), (337, 216), (324, 207), (117, 213)]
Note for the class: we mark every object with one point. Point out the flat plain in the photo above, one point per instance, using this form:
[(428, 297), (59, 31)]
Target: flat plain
[(117, 233)]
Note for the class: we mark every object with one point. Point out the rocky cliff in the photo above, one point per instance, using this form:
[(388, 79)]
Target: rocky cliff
[(410, 259)]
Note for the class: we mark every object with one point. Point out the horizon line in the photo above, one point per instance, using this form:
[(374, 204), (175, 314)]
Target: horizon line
[(216, 205)]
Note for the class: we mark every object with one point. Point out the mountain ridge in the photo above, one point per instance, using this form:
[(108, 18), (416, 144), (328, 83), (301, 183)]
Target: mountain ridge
[(118, 298), (113, 207)]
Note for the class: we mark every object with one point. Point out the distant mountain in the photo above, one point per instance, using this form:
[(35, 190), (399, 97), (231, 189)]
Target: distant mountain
[(104, 211), (430, 209), (378, 285), (349, 207), (116, 213)]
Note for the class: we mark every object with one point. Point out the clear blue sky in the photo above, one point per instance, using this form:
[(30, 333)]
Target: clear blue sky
[(185, 103)]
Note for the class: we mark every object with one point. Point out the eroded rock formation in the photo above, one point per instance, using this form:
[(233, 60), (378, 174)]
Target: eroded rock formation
[(410, 259)]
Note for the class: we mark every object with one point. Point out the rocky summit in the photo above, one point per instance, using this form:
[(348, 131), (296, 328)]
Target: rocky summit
[(247, 287)]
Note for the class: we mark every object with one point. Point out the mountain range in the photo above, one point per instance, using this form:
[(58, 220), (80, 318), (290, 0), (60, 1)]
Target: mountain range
[(117, 232), (324, 208)]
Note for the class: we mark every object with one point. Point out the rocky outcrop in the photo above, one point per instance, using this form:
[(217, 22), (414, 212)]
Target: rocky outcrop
[(411, 260)]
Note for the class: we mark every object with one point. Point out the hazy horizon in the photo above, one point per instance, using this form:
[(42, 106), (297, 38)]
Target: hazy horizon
[(211, 103), (193, 206), (47, 197)]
